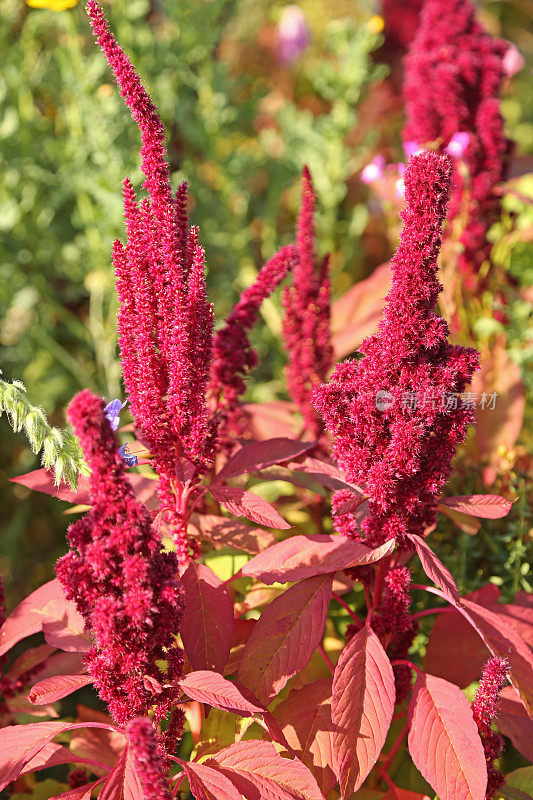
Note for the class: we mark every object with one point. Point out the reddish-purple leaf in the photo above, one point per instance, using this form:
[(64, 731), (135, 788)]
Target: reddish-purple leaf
[(301, 557), (79, 793), (260, 455), (287, 634), (51, 689), (25, 619), (249, 505), (20, 743), (52, 755), (434, 568), (455, 651), (64, 627), (31, 658), (464, 522), (305, 718), (444, 741), (361, 708), (488, 506), (514, 722), (258, 771), (503, 640), (123, 782), (207, 628), (213, 689), (209, 784), (224, 532), (356, 314)]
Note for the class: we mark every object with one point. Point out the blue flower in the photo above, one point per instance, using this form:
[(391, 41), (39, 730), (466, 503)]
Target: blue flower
[(129, 458), (112, 412)]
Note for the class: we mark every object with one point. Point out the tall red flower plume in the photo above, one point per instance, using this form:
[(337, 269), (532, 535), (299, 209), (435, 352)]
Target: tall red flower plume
[(149, 759), (124, 586), (397, 414), (453, 76), (306, 322)]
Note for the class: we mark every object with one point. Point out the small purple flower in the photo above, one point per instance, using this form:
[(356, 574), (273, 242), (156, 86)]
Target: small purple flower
[(129, 458), (293, 34), (373, 171), (458, 144), (112, 412)]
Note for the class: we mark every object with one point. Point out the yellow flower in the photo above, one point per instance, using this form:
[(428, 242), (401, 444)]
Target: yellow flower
[(54, 5)]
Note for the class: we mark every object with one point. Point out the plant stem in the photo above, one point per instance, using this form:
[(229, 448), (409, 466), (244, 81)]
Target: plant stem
[(347, 608), (326, 658)]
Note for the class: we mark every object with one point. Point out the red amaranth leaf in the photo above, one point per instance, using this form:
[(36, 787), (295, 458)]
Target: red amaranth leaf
[(514, 722), (434, 568), (64, 627), (51, 689), (444, 741), (25, 619), (211, 688), (123, 782), (209, 784), (79, 793), (20, 743), (487, 506), (305, 719), (52, 755), (249, 505), (260, 455), (40, 480), (224, 532), (257, 770), (464, 522), (356, 314), (207, 628), (362, 706), (455, 651), (301, 557), (285, 637)]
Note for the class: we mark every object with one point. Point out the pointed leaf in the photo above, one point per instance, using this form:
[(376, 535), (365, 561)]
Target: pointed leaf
[(434, 568), (25, 619), (20, 743), (455, 651), (285, 637), (224, 532), (80, 793), (209, 784), (51, 689), (301, 557), (52, 755), (305, 718), (213, 689), (249, 505), (514, 722), (361, 707), (488, 506), (64, 626), (356, 314), (260, 455), (444, 741), (258, 771), (207, 628), (464, 522), (123, 782)]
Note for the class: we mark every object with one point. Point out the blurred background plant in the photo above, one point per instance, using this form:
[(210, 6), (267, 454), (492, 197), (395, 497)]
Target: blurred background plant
[(249, 91)]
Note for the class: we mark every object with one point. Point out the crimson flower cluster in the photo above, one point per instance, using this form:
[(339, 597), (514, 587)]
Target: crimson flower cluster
[(453, 76), (306, 328), (150, 760), (123, 585), (485, 708), (401, 451), (233, 355)]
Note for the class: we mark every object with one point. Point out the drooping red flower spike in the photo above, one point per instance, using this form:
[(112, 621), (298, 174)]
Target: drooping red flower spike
[(233, 355), (123, 585), (306, 329), (397, 414), (485, 709), (453, 76), (149, 759)]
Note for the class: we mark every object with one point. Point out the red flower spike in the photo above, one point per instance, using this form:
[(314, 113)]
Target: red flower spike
[(466, 66), (402, 450), (485, 708), (306, 322), (149, 759), (124, 586)]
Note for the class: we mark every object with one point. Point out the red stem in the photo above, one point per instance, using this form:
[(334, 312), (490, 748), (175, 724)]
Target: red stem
[(404, 662), (427, 612), (326, 658), (347, 608), (394, 749)]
